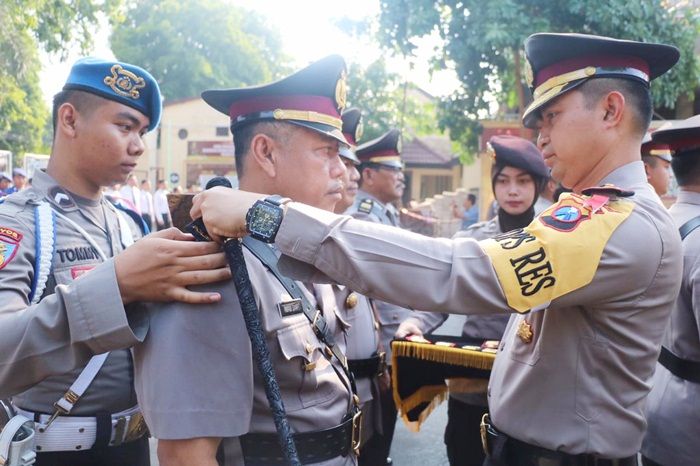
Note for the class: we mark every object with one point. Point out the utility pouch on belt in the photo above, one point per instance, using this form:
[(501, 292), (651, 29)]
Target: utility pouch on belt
[(16, 438)]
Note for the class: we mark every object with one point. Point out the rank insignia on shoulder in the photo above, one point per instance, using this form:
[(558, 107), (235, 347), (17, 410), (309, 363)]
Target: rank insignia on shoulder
[(290, 308), (9, 243), (608, 190), (365, 206)]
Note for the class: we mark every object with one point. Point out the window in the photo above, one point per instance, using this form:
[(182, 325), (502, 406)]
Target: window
[(430, 185), (222, 130), (182, 134)]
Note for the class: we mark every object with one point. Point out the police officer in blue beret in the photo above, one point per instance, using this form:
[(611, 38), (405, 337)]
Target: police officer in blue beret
[(68, 292)]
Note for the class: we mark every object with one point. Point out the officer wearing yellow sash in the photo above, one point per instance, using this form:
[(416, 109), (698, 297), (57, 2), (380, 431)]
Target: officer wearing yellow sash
[(672, 409), (589, 283)]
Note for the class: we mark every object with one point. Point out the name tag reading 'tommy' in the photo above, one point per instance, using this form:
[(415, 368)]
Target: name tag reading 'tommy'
[(290, 308)]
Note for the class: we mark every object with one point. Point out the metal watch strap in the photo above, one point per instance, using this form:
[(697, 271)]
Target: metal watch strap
[(267, 256)]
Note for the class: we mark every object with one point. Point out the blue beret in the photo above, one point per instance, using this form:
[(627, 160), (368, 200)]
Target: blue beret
[(121, 82)]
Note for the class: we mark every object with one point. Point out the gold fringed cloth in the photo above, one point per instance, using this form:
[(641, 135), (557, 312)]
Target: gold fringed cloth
[(425, 369)]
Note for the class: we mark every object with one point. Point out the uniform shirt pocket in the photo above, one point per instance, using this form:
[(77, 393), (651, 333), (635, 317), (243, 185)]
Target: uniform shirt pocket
[(312, 378), (525, 338)]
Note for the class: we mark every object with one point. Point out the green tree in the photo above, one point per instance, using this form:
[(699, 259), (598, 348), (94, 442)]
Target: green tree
[(483, 41), (389, 102), (27, 26), (192, 45)]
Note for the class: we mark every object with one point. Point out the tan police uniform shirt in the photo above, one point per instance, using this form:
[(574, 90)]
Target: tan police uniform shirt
[(485, 327), (673, 407), (362, 340), (580, 384), (80, 314), (389, 315), (195, 376)]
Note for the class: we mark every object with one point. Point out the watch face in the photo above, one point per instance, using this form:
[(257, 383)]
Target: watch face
[(265, 220)]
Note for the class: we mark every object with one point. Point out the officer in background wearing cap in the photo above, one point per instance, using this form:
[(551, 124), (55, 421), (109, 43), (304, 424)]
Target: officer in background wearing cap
[(382, 184), (657, 164), (366, 355), (195, 380), (673, 412), (5, 184), (517, 176), (19, 181), (61, 229), (590, 282)]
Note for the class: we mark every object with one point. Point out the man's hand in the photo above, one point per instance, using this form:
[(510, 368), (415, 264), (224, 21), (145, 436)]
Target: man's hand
[(160, 266), (223, 211), (408, 328), (188, 452)]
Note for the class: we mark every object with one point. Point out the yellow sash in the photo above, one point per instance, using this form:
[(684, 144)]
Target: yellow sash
[(558, 252)]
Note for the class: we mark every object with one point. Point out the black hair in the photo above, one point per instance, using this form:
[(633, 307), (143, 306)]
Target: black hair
[(686, 167), (650, 160), (243, 136), (84, 102), (637, 97), (472, 198)]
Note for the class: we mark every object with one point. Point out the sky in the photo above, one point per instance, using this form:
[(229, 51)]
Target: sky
[(308, 32)]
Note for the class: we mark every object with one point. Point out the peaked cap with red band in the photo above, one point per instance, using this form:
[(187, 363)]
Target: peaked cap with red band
[(384, 150), (313, 97), (558, 63), (681, 137), (656, 149), (352, 130)]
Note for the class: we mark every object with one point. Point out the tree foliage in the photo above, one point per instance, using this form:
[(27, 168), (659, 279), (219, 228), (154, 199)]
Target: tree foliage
[(193, 45), (389, 102), (483, 41), (27, 26)]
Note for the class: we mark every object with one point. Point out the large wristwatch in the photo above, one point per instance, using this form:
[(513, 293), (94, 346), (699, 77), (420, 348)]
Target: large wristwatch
[(263, 220)]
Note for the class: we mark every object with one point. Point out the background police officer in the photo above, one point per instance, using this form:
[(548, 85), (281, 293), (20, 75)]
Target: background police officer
[(672, 407)]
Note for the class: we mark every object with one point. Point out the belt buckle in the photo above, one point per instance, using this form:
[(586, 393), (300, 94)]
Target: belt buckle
[(135, 428), (483, 429), (381, 367), (356, 432)]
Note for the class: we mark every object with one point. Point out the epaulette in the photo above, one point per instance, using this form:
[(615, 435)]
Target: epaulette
[(609, 190), (365, 206)]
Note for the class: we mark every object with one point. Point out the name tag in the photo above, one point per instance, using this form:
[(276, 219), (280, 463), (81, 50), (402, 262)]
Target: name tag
[(290, 308)]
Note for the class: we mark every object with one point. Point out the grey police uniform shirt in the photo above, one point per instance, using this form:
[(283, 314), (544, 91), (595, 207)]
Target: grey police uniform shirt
[(389, 315), (80, 314), (581, 384), (673, 405), (362, 340), (195, 375), (486, 327)]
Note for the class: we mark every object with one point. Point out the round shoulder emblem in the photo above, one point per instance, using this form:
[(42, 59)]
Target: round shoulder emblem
[(567, 214)]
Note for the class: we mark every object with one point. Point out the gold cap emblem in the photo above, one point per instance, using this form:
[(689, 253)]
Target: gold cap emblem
[(491, 152), (359, 129), (351, 300), (399, 145), (525, 331), (124, 82), (341, 90), (529, 75)]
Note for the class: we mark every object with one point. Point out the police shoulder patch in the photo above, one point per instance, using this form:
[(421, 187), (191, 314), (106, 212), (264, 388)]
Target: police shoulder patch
[(559, 252), (365, 206), (9, 243)]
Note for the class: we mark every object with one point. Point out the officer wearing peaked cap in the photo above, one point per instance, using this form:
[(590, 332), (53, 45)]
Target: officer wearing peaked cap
[(657, 164), (381, 185), (366, 356), (287, 137), (570, 382), (672, 407), (60, 229)]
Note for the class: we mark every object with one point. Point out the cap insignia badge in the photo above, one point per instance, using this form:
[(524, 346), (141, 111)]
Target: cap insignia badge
[(491, 152), (525, 331), (341, 90), (359, 129), (529, 75), (399, 145), (124, 82)]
